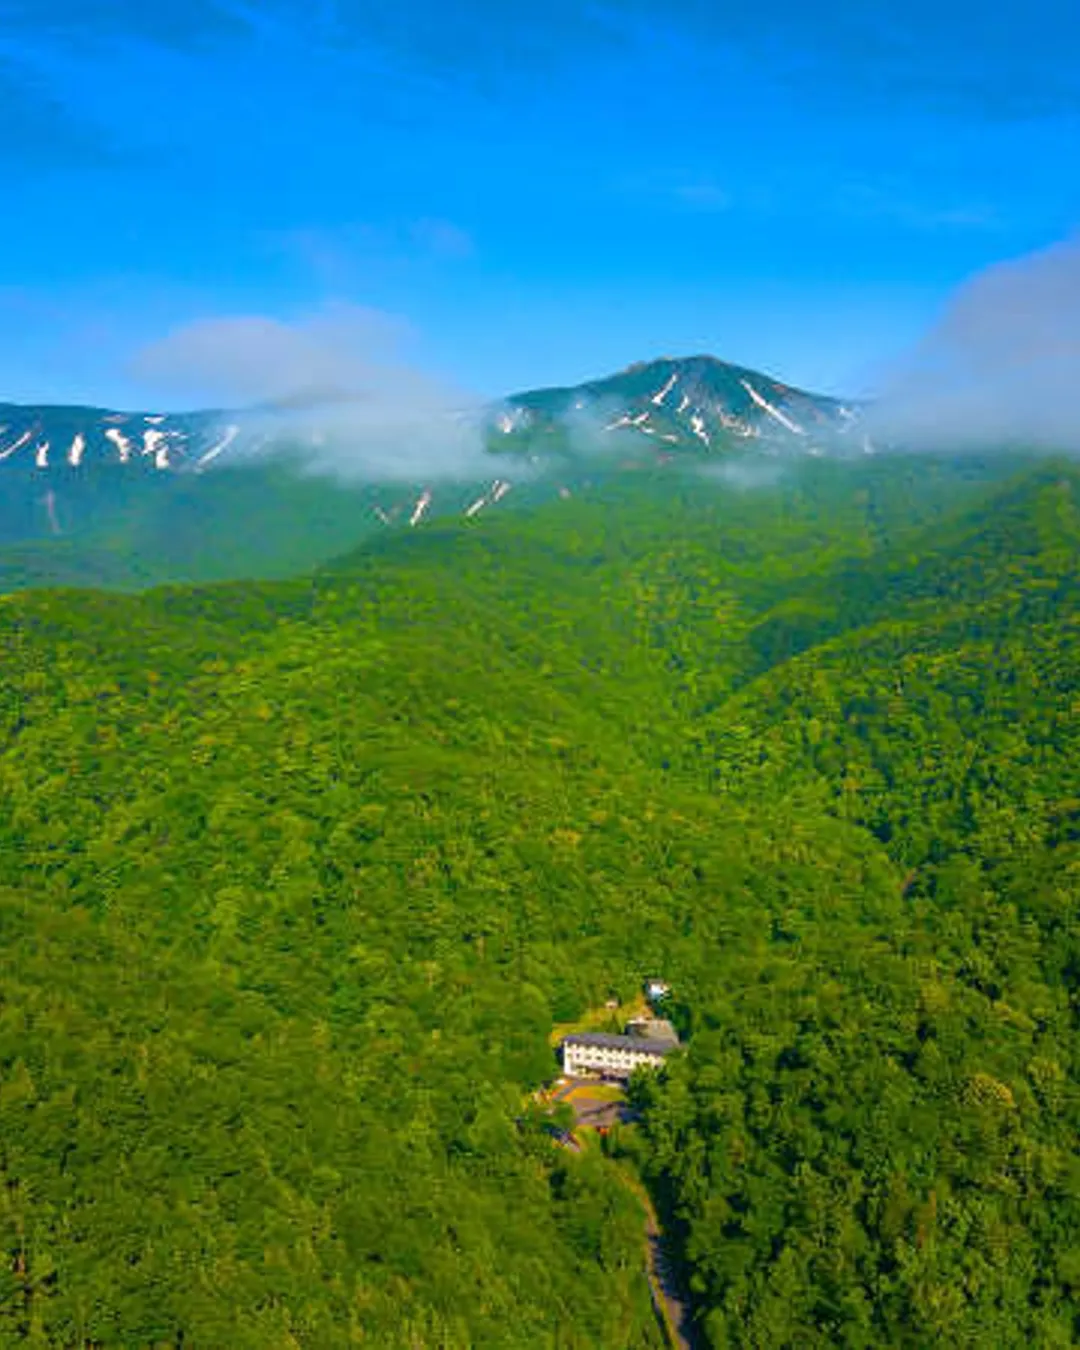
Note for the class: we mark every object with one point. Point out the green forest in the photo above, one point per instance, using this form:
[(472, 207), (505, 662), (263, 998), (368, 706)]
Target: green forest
[(297, 875)]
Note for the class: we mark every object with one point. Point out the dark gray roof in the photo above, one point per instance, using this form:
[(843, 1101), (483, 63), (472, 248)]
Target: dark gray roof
[(640, 1044)]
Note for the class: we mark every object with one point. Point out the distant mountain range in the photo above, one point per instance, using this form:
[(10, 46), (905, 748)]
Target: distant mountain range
[(669, 405), (95, 496)]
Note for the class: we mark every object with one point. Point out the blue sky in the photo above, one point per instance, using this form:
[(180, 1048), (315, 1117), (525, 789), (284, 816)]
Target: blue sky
[(530, 199)]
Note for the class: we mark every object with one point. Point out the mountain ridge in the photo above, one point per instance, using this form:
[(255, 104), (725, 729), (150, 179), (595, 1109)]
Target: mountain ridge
[(698, 403), (187, 495)]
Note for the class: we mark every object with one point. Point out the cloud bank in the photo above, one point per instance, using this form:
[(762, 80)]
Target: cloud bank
[(332, 385), (1000, 368)]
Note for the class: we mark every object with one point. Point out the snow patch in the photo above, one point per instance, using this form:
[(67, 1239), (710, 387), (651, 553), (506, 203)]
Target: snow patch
[(422, 504), (625, 420), (773, 412), (78, 449), (230, 435), (41, 455), (17, 445), (155, 443), (697, 426), (121, 442), (659, 397)]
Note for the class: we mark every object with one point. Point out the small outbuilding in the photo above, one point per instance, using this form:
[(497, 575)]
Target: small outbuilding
[(656, 989)]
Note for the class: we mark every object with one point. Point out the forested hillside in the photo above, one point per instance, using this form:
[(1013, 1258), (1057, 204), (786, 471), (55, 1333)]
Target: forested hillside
[(129, 527), (874, 1138), (296, 876)]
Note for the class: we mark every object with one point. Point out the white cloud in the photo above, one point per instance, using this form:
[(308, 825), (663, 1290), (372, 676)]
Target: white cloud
[(1002, 364), (891, 200), (332, 383), (343, 258), (745, 475), (247, 358), (703, 196), (442, 239)]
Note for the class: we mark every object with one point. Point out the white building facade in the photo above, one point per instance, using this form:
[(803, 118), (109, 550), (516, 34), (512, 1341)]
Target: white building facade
[(611, 1056)]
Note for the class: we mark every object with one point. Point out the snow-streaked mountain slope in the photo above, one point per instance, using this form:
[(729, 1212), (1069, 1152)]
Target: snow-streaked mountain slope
[(692, 403)]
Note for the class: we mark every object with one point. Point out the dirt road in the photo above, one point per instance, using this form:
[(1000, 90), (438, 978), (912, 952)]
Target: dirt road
[(671, 1311), (596, 1106)]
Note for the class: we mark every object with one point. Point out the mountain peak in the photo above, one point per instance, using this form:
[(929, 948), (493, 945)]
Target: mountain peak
[(698, 403)]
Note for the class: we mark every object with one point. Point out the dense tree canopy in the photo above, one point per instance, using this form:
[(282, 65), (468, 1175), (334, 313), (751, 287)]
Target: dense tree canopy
[(296, 877)]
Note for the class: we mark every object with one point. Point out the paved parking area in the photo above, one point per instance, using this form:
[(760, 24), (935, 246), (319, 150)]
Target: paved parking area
[(596, 1104)]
